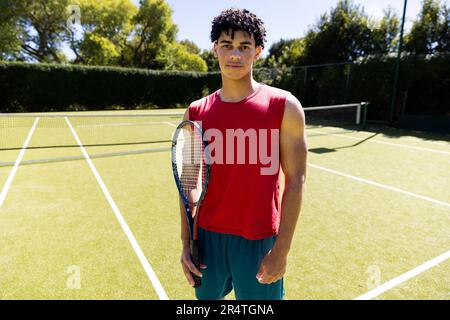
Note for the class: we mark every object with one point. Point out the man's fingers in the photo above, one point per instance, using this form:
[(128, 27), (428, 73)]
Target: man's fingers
[(194, 270), (265, 278), (261, 272), (187, 261), (188, 275)]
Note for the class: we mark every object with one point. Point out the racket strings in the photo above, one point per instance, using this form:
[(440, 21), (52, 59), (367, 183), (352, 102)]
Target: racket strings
[(190, 163)]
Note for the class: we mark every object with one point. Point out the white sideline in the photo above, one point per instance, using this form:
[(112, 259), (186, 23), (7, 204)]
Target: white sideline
[(16, 164), (408, 275), (382, 185), (137, 249), (380, 142), (404, 277)]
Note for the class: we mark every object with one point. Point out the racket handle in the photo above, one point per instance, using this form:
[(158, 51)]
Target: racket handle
[(195, 254)]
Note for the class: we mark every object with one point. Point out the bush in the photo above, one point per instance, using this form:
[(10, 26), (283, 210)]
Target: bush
[(49, 87)]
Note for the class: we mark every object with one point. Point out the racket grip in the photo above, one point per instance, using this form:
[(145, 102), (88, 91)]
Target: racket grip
[(195, 254)]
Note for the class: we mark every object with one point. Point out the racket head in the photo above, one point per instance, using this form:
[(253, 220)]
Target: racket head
[(190, 162)]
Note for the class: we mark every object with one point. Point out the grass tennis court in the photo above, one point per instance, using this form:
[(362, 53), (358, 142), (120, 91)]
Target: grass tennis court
[(377, 206)]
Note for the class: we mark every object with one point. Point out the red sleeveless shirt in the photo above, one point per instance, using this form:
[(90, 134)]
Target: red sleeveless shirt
[(243, 195)]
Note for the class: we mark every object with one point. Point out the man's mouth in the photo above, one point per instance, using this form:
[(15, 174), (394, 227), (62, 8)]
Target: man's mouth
[(234, 66)]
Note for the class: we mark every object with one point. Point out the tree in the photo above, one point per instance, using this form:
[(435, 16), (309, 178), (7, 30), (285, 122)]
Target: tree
[(190, 46), (430, 32), (341, 36), (276, 49), (285, 53), (106, 26), (9, 31), (444, 30), (177, 57), (210, 59), (35, 29), (153, 32), (385, 32)]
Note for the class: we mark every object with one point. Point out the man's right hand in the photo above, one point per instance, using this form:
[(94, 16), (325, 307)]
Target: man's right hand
[(188, 266)]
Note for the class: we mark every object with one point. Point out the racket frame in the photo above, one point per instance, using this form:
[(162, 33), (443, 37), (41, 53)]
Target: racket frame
[(192, 221)]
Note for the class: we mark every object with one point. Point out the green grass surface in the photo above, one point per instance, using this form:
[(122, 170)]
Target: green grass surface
[(55, 216)]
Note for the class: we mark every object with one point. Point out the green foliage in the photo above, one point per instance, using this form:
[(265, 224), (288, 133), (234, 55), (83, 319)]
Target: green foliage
[(423, 87), (52, 87), (211, 60), (191, 47), (276, 50), (177, 57), (444, 31), (113, 32), (341, 36), (106, 26), (35, 29), (98, 50), (154, 31), (285, 53), (430, 33), (385, 32), (9, 32)]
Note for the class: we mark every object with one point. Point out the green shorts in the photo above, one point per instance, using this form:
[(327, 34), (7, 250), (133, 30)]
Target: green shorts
[(232, 263)]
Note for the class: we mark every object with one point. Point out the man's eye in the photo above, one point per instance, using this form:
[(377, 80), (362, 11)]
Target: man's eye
[(226, 46)]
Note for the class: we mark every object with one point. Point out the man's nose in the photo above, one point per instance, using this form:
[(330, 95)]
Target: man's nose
[(235, 55)]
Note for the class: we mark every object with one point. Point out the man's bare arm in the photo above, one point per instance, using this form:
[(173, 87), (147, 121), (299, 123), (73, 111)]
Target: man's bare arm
[(294, 150), (293, 154)]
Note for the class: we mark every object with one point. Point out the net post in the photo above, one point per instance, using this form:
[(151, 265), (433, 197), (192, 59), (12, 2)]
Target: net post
[(358, 114), (364, 106)]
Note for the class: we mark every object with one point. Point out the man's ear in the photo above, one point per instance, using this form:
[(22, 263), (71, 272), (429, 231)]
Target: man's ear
[(215, 49), (258, 52)]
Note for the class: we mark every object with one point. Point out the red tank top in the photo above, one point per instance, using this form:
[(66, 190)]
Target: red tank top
[(243, 192)]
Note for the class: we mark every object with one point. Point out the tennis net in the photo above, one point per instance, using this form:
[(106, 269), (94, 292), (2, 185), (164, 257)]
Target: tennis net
[(94, 130), (53, 136), (353, 114)]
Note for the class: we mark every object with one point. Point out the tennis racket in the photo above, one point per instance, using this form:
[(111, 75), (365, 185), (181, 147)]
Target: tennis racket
[(190, 164)]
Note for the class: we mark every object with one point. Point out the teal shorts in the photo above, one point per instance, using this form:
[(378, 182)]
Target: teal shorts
[(232, 263)]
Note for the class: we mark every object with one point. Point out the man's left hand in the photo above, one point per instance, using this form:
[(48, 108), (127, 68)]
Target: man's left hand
[(272, 268)]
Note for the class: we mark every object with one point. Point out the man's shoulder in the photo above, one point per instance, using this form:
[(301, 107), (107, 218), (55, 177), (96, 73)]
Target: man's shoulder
[(202, 101), (276, 92)]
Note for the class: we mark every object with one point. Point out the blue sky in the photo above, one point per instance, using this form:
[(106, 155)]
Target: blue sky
[(283, 18)]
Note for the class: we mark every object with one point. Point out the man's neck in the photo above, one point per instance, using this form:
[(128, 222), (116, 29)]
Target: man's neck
[(237, 90)]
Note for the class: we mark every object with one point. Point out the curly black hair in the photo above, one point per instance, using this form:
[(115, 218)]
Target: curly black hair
[(235, 20)]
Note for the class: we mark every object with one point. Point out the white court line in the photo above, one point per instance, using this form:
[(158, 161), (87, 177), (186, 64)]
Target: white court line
[(171, 124), (408, 275), (421, 140), (137, 249), (382, 185), (124, 124), (404, 277), (382, 142), (403, 137), (16, 164), (425, 141)]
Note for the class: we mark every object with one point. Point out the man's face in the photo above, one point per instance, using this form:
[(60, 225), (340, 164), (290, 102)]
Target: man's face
[(236, 55)]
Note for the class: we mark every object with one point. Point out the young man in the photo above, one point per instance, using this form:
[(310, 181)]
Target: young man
[(245, 231)]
